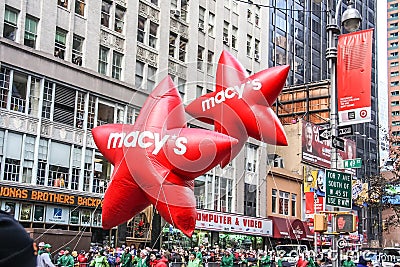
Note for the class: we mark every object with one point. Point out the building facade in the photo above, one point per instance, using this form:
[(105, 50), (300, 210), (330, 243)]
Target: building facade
[(69, 66)]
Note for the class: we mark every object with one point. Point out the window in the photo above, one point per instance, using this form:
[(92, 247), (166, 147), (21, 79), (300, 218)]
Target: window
[(394, 34), (105, 114), (211, 24), (394, 25), (199, 91), (91, 111), (257, 16), (394, 73), (234, 37), (395, 103), (47, 99), (225, 33), (119, 19), (13, 160), (80, 7), (63, 3), (11, 170), (394, 15), (10, 24), (34, 96), (105, 13), (202, 12), (139, 73), (256, 49), (77, 50), (394, 5), (117, 65), (64, 105), (251, 157), (210, 62), (200, 55), (182, 49), (293, 207), (19, 92), (141, 29), (80, 111), (29, 150), (396, 123), (248, 51), (394, 64), (30, 32), (248, 15), (283, 203), (274, 199), (103, 60), (395, 83), (184, 8), (151, 77), (182, 87), (172, 45), (153, 35), (394, 54), (154, 2), (395, 93), (59, 46), (396, 113)]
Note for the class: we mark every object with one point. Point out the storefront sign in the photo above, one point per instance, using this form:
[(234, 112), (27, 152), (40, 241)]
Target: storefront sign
[(233, 223), (48, 197), (55, 214)]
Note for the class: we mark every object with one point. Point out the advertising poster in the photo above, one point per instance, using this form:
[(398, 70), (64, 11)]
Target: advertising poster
[(314, 189), (38, 214), (10, 208), (57, 215), (26, 212), (74, 216), (318, 152), (85, 217), (354, 63)]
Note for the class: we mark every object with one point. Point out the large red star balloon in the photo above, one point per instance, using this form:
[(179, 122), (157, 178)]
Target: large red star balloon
[(156, 160), (240, 106)]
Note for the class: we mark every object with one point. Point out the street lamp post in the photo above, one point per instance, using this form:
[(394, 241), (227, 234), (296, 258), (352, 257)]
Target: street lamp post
[(351, 20)]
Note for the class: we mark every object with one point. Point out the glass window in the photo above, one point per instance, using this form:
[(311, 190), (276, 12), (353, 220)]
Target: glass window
[(257, 16), (139, 73), (210, 62), (248, 50), (184, 9), (30, 32), (63, 3), (293, 207), (172, 45), (119, 19), (153, 35), (19, 92), (274, 199), (10, 24), (251, 157), (103, 60), (234, 36), (211, 24), (151, 77), (105, 114), (47, 99), (77, 50), (256, 49), (200, 55), (34, 97), (225, 33), (141, 29), (117, 65), (202, 12), (199, 91), (105, 13), (59, 46), (182, 49), (80, 7)]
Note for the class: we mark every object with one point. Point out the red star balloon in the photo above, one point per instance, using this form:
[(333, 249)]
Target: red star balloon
[(156, 160), (241, 105)]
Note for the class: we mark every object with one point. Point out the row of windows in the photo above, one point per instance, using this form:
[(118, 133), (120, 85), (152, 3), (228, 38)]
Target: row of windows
[(280, 204)]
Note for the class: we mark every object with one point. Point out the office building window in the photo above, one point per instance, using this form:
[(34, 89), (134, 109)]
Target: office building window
[(251, 157), (182, 87), (210, 62), (117, 65), (34, 96), (395, 93), (202, 12), (225, 33), (59, 46), (394, 34), (77, 50), (200, 55), (394, 64), (103, 60), (10, 24), (396, 113), (80, 7), (19, 92), (394, 15), (257, 16), (63, 3), (293, 207), (119, 19), (139, 74), (274, 200), (153, 35), (234, 37), (184, 9), (394, 73), (257, 49), (395, 83), (249, 15), (151, 77), (105, 13), (199, 91), (211, 24), (42, 162), (182, 49), (141, 29), (47, 99), (395, 103), (172, 45), (248, 45), (30, 32), (283, 203)]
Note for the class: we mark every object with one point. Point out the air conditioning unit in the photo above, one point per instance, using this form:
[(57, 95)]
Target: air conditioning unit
[(201, 26), (278, 162), (176, 13), (225, 39), (257, 57)]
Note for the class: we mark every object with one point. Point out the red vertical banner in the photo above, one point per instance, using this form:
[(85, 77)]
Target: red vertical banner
[(354, 69)]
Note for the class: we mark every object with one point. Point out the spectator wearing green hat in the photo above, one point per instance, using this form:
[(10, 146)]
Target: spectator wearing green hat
[(44, 260), (227, 259), (66, 260), (193, 260), (100, 260)]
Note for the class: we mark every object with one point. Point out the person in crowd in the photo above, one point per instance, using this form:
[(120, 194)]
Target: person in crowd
[(199, 255), (66, 259), (82, 258), (162, 261), (264, 260), (348, 263), (99, 260), (16, 246), (310, 261), (153, 259), (362, 262), (193, 260), (227, 259), (301, 262), (143, 260), (126, 258), (44, 260), (41, 248)]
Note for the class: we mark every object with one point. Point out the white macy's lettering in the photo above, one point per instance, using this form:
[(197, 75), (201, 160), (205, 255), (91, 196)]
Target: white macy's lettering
[(229, 93), (146, 139)]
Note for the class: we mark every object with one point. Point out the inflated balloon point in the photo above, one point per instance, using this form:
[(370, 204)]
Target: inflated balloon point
[(156, 160), (240, 106)]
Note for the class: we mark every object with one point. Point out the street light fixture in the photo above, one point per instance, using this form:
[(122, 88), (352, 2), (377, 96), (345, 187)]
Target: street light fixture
[(351, 20)]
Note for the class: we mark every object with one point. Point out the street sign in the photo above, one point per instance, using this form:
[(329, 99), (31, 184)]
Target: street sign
[(338, 189), (324, 134), (345, 130), (352, 163), (338, 143)]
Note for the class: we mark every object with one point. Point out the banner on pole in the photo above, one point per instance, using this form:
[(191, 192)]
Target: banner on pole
[(354, 77)]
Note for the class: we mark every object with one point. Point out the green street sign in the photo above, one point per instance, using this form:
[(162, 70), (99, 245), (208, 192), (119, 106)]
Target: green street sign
[(352, 163), (338, 189)]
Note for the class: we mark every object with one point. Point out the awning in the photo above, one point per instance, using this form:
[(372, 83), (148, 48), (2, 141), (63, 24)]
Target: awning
[(290, 228)]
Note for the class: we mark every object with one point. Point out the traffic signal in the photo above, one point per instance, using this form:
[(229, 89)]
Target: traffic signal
[(345, 223), (320, 223)]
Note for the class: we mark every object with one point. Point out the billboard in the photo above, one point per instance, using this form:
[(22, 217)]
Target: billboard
[(354, 63), (314, 189), (318, 152)]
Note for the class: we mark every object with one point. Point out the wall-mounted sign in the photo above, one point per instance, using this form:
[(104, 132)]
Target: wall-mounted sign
[(233, 223), (56, 214), (48, 197)]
